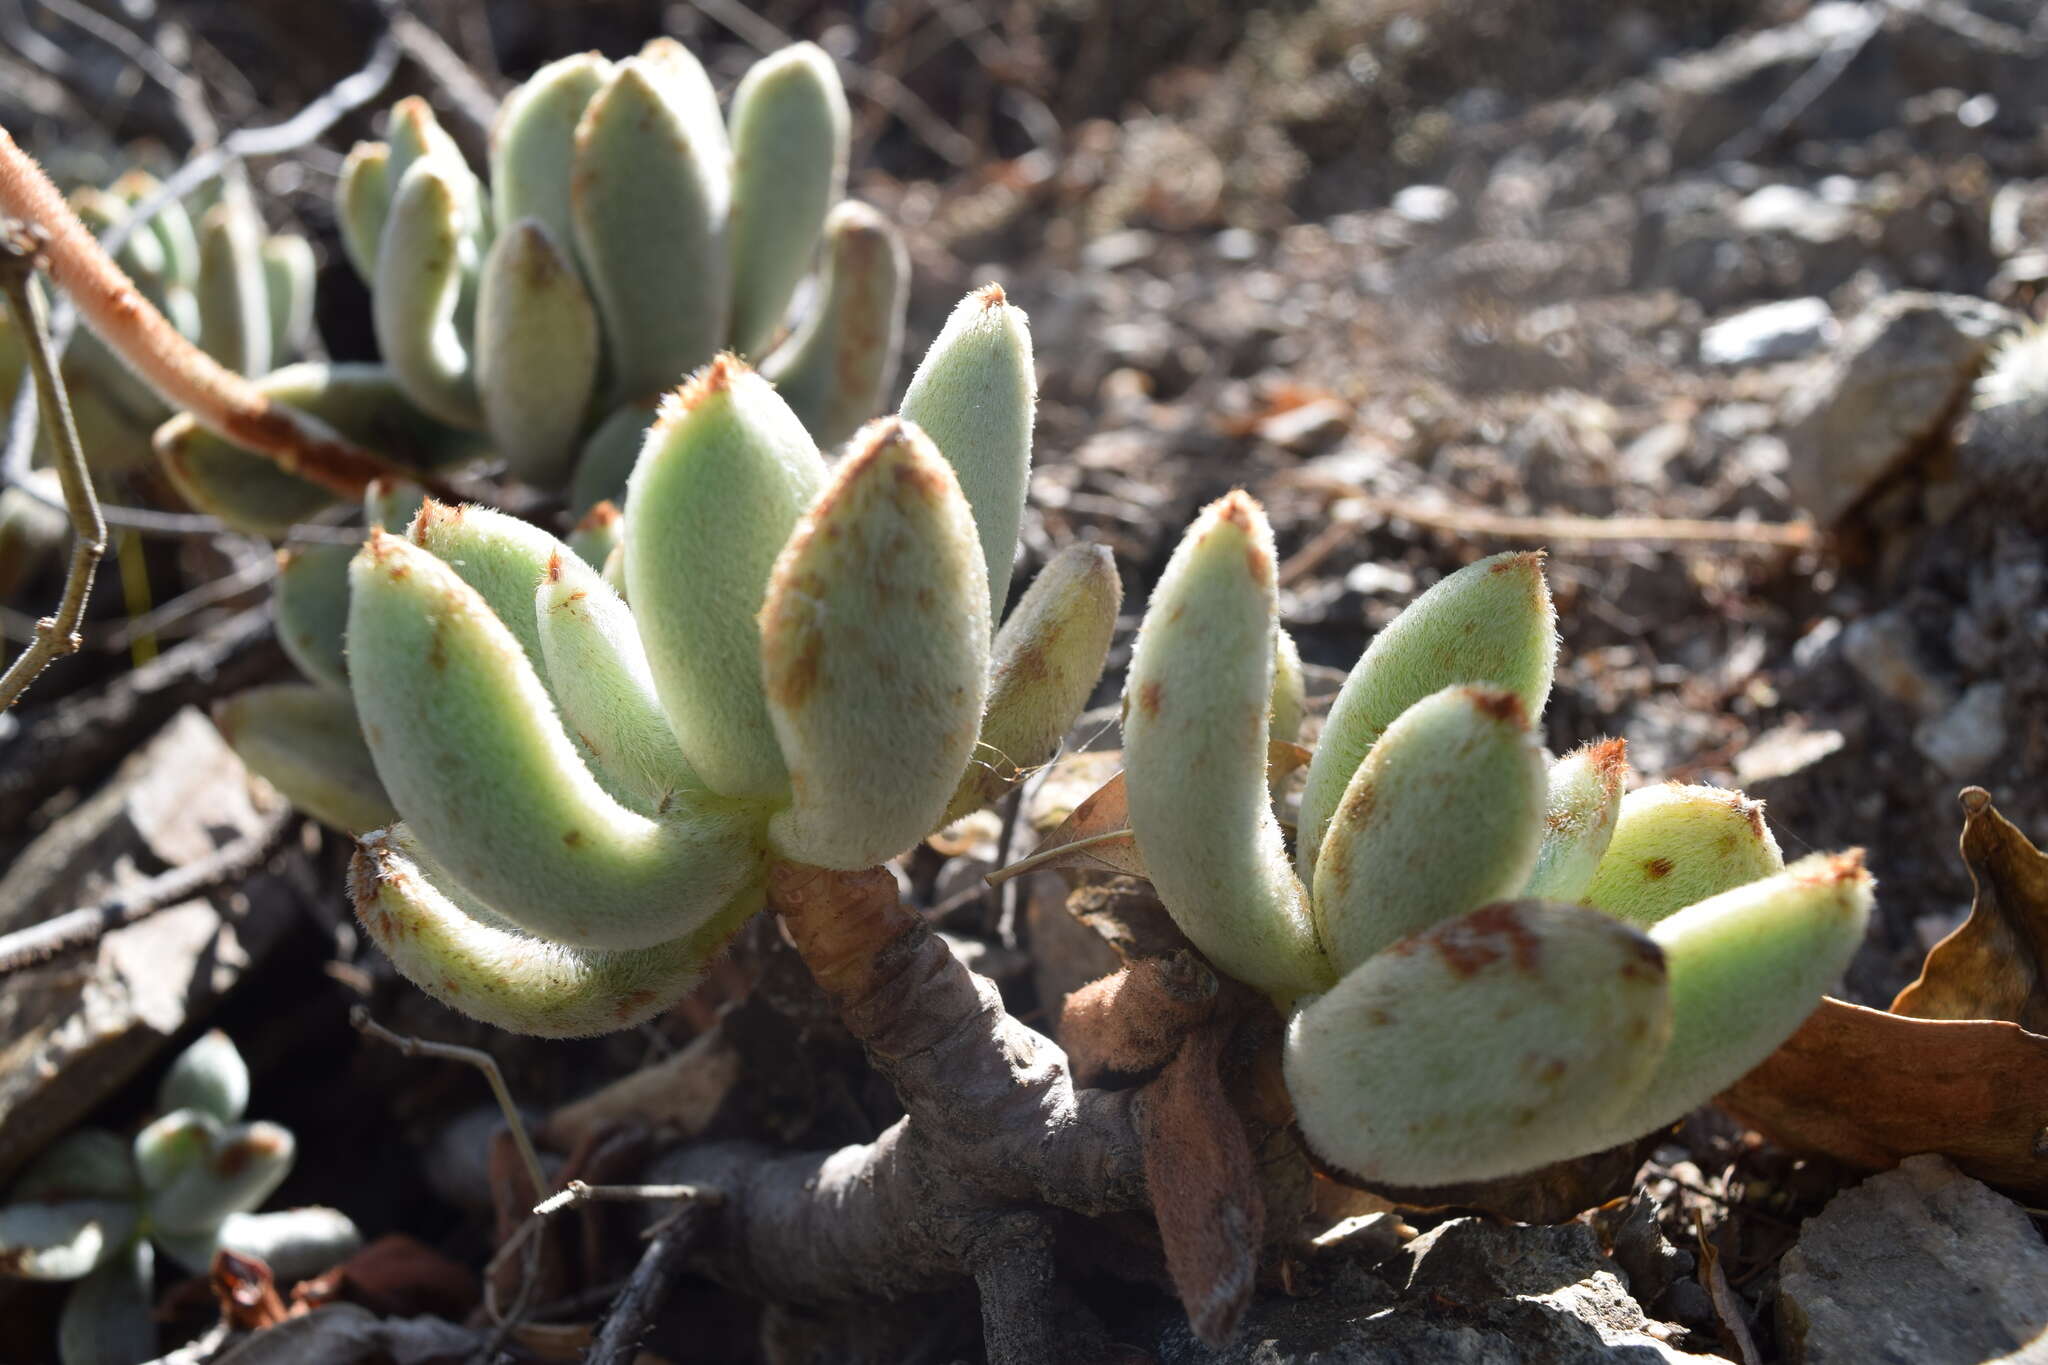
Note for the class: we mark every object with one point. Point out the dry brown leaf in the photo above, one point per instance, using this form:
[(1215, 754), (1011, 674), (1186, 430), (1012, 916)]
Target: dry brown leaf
[(1729, 1324), (1097, 836), (246, 1291), (1204, 1188), (1873, 1088), (1130, 1022), (1996, 965)]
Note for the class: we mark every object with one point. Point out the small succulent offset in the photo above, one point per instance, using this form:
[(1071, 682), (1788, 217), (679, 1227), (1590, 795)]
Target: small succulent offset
[(628, 233), (1490, 959), (591, 794), (96, 1207)]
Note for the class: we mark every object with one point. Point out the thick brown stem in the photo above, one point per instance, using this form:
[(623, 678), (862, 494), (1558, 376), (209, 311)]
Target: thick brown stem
[(184, 375)]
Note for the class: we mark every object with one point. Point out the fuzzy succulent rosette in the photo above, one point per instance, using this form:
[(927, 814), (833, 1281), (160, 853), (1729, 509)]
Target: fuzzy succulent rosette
[(591, 793), (1491, 959)]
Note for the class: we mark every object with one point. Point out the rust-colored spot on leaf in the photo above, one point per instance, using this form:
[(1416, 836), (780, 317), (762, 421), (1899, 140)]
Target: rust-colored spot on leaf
[(792, 686), (236, 1156), (715, 378), (633, 1003), (1150, 696), (1656, 869), (1750, 810), (1484, 937), (601, 516), (991, 295), (554, 566), (572, 837), (1498, 703)]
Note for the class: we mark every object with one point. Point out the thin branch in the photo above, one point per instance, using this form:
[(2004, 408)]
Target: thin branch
[(83, 928), (579, 1192), (1475, 521), (56, 635), (465, 89), (668, 1248), (468, 1056), (952, 146)]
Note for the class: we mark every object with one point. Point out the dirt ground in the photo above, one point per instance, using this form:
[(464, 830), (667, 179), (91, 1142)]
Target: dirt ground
[(1451, 258)]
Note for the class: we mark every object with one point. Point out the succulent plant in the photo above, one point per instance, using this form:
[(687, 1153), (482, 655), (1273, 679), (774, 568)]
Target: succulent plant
[(628, 233), (95, 1208), (245, 296), (591, 793), (1491, 959)]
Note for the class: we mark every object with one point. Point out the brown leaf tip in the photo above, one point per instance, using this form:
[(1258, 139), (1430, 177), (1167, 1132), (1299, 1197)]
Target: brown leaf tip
[(554, 566), (1498, 703), (1975, 800), (1750, 809), (415, 110), (990, 295), (720, 375), (1609, 758), (605, 514), (1841, 868), (431, 513)]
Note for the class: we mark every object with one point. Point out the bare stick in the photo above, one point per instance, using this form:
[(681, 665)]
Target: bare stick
[(56, 635), (468, 1056), (578, 1192), (82, 928), (669, 1246), (464, 88)]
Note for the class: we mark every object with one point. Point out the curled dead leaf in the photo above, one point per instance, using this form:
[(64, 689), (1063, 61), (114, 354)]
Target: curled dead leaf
[(1995, 966), (1872, 1088)]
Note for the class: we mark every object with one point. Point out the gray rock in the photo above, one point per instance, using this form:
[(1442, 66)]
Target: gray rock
[(77, 1028), (1771, 331), (1902, 369), (1885, 652), (1477, 1293), (1967, 738), (1918, 1266)]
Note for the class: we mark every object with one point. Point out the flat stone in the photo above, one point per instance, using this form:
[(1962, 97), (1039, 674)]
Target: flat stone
[(1969, 737), (76, 1029), (1903, 368), (1769, 332), (1918, 1266)]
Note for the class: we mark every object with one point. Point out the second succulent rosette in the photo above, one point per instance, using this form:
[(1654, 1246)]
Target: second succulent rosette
[(1491, 959)]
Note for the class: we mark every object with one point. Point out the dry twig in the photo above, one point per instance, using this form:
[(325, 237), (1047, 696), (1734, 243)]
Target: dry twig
[(82, 928), (57, 634)]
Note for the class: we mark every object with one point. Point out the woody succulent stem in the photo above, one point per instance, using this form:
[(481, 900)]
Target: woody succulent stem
[(185, 376), (995, 1133)]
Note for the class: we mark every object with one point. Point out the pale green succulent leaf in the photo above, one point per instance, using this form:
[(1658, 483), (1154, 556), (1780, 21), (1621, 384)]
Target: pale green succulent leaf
[(537, 348), (109, 1317), (247, 1162), (789, 129), (289, 275), (468, 744), (310, 603), (362, 203), (209, 1076), (234, 300), (598, 533), (459, 951), (606, 461), (975, 395), (1444, 815), (874, 652), (62, 1241), (86, 1163), (1747, 967), (649, 204), (1675, 845), (599, 674), (294, 1243), (724, 476), (1490, 623), (426, 253), (837, 366), (1491, 1044), (1579, 815), (305, 741), (533, 145), (1289, 704), (1196, 709), (172, 1143), (1043, 666)]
